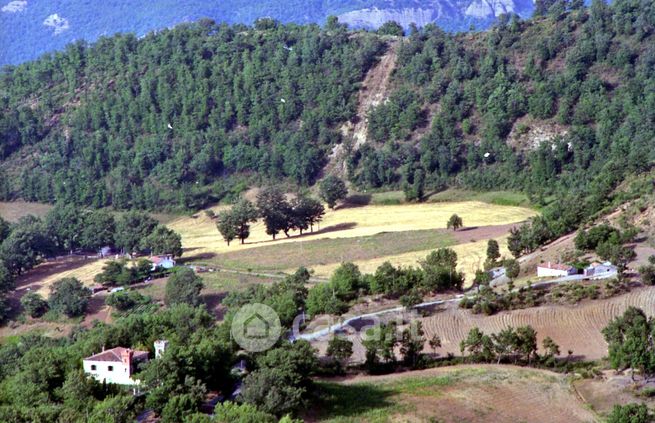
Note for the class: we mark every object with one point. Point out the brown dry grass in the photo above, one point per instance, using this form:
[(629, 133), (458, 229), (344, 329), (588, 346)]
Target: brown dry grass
[(42, 276), (481, 393), (12, 211)]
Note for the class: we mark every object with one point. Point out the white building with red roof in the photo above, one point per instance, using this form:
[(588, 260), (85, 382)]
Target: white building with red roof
[(163, 262), (549, 269), (116, 365)]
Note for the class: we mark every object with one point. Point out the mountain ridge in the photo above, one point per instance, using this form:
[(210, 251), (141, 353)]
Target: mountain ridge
[(31, 28)]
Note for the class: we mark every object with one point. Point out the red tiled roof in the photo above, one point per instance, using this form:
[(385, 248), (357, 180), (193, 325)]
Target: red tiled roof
[(555, 266), (159, 259), (114, 355)]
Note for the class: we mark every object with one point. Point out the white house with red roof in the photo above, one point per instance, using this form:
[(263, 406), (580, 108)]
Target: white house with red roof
[(549, 269), (164, 262), (116, 365)]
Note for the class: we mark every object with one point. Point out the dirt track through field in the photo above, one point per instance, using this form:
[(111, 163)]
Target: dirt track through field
[(577, 328)]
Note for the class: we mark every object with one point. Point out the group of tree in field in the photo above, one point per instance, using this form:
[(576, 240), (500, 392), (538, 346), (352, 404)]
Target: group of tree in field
[(67, 228), (278, 213), (436, 273)]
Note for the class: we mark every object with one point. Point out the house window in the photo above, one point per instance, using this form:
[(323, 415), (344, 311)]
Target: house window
[(93, 367), (110, 368)]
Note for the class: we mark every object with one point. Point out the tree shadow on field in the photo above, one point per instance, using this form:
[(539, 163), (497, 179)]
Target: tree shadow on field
[(356, 200), (332, 228), (196, 257), (467, 228), (338, 401)]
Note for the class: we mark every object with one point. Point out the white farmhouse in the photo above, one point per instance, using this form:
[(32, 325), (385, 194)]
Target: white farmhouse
[(600, 270), (549, 269), (163, 262), (115, 365)]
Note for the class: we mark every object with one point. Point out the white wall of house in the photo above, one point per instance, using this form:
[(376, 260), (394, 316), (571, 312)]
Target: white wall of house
[(545, 272), (109, 371)]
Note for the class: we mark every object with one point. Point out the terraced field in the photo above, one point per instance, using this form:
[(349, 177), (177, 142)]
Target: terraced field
[(577, 328), (481, 393)]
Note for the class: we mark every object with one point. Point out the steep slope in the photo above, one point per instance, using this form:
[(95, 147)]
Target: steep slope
[(373, 92), (560, 107)]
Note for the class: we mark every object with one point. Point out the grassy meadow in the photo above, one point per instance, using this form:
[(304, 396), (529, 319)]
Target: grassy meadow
[(12, 211)]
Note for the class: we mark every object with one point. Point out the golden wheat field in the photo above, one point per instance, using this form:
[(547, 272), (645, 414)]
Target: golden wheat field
[(199, 232)]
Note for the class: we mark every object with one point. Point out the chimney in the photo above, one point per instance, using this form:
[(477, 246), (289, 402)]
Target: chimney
[(126, 358), (160, 347)]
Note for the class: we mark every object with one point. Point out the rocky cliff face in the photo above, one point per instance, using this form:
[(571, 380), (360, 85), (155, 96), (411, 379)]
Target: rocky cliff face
[(450, 14)]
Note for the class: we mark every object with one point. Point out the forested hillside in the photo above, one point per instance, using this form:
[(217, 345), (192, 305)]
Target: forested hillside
[(167, 118), (561, 106)]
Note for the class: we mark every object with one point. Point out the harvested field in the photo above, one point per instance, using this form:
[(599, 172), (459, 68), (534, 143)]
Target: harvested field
[(291, 255), (577, 328), (471, 251), (481, 393), (12, 211), (367, 235), (199, 233), (42, 276)]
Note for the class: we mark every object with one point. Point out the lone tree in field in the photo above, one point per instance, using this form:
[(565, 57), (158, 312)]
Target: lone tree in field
[(183, 287), (493, 252), (332, 189), (435, 342), (69, 296), (227, 226), (630, 340), (455, 222)]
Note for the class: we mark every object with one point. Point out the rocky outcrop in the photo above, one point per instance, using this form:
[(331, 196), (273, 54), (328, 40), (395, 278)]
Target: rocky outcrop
[(451, 13)]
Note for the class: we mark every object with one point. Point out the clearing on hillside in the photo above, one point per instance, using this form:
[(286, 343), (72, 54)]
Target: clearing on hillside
[(480, 393), (12, 211), (45, 274), (202, 241)]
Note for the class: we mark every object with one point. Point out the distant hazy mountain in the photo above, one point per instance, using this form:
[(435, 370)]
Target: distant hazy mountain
[(32, 27)]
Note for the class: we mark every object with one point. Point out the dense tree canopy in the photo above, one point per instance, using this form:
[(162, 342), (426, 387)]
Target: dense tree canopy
[(166, 119)]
